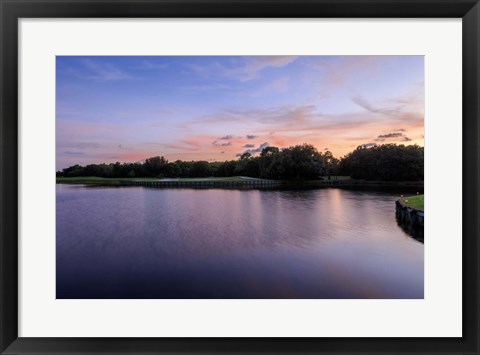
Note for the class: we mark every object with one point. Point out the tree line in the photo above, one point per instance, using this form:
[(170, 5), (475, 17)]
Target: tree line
[(385, 162)]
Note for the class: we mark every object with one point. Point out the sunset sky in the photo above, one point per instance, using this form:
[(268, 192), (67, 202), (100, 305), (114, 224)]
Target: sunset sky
[(127, 109)]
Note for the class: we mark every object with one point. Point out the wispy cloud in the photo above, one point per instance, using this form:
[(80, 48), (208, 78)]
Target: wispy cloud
[(364, 103), (390, 135), (280, 85), (348, 68), (393, 136), (72, 153), (189, 144), (207, 88), (243, 69), (101, 71), (79, 145), (151, 65), (273, 115), (216, 143)]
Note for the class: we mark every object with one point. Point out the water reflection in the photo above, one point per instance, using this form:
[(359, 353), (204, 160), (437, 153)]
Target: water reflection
[(183, 243)]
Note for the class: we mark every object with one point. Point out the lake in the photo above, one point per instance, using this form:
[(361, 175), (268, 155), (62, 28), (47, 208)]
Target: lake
[(138, 242)]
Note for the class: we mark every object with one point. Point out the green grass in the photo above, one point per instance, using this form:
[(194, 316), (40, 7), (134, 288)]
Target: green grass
[(83, 178), (340, 177), (140, 179), (99, 180), (228, 179), (88, 180), (415, 201)]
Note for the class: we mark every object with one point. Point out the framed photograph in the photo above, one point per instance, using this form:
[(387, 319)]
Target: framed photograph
[(239, 177)]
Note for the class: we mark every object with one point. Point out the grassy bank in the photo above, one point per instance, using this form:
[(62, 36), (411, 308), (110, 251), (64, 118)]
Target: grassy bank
[(347, 182), (98, 180), (415, 201), (87, 180), (225, 179)]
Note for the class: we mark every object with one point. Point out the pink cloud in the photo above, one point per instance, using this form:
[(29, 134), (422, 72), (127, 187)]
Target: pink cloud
[(348, 67)]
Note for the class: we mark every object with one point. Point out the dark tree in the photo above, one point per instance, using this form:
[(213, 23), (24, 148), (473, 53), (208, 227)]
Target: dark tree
[(388, 162), (200, 169), (155, 166)]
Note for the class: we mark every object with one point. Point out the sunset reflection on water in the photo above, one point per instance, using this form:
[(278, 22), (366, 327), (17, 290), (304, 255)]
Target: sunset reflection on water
[(216, 243)]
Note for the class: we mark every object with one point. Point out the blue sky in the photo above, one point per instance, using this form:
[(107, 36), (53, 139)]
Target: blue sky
[(210, 108)]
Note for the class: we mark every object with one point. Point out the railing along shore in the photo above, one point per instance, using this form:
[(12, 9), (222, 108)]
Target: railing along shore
[(204, 183)]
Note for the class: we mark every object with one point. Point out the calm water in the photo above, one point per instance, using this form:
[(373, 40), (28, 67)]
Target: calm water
[(141, 242)]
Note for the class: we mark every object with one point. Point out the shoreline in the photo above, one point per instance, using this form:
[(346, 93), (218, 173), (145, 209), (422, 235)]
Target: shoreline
[(359, 183), (241, 182)]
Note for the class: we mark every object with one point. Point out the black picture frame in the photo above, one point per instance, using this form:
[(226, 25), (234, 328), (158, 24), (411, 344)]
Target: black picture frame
[(11, 11)]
